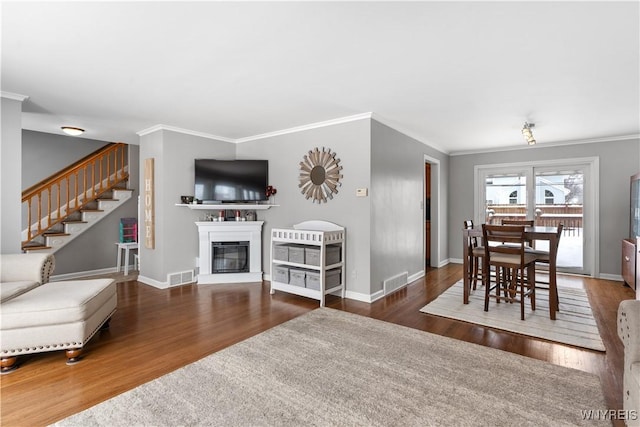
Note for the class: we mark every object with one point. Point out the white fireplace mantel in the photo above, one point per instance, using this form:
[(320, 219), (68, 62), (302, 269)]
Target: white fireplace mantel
[(229, 231)]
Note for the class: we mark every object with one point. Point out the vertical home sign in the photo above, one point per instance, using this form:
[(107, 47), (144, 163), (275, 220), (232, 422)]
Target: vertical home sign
[(149, 214)]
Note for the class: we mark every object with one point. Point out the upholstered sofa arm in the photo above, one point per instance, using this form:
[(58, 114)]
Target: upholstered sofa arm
[(26, 267)]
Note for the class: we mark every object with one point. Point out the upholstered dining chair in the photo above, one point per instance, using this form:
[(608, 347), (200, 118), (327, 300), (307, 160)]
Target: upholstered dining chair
[(510, 261), (475, 252)]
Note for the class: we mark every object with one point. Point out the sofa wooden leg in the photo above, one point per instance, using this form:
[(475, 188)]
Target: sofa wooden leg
[(8, 364), (73, 355)]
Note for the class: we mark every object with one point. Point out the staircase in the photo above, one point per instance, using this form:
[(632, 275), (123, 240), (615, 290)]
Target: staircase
[(73, 200)]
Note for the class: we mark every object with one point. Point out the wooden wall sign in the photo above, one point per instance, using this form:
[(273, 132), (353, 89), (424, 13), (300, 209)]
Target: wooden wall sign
[(149, 211)]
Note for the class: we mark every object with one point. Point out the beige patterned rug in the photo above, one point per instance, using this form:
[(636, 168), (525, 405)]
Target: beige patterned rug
[(574, 324), (332, 368)]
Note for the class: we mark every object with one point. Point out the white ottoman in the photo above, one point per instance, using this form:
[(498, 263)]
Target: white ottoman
[(55, 316)]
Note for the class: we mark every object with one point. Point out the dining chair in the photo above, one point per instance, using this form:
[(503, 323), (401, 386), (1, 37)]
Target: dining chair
[(543, 257), (475, 253), (511, 262), (525, 222)]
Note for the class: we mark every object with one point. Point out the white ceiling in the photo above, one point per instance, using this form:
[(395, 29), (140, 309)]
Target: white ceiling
[(458, 76)]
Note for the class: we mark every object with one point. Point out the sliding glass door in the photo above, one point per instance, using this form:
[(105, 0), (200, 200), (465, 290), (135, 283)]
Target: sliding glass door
[(550, 193)]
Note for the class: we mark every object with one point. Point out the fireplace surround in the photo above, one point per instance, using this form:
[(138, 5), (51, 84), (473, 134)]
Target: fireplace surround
[(223, 235)]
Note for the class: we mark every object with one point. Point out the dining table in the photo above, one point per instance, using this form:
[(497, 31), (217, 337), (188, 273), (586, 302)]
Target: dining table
[(549, 234)]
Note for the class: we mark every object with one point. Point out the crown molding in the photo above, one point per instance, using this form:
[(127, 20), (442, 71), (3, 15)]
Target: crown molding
[(14, 96), (548, 145), (184, 131), (316, 125), (411, 135)]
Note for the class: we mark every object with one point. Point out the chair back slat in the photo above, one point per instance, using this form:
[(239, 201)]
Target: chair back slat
[(495, 237), (525, 222)]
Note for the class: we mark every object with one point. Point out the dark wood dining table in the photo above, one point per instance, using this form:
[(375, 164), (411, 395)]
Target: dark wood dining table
[(534, 233)]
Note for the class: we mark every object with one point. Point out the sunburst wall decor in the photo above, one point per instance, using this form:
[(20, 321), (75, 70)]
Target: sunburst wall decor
[(320, 175)]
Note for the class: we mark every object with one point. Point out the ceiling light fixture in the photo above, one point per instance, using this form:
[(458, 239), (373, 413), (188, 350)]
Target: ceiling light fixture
[(528, 135), (73, 131)]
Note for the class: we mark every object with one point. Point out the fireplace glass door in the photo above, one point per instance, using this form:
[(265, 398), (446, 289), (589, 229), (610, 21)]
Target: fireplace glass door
[(229, 257)]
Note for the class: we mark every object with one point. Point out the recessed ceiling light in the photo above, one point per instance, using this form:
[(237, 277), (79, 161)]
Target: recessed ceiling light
[(73, 131)]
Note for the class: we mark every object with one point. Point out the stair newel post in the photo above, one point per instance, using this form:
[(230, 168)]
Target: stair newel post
[(48, 207), (29, 231)]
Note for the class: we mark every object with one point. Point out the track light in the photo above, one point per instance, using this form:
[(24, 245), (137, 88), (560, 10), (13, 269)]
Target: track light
[(73, 131), (528, 135)]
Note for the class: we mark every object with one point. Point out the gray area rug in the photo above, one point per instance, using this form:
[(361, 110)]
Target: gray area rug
[(574, 324), (332, 368)]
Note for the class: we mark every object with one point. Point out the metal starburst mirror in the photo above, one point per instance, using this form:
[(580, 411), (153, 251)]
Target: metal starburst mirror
[(320, 175)]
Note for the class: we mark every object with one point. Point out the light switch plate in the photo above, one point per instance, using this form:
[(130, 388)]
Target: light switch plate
[(362, 192)]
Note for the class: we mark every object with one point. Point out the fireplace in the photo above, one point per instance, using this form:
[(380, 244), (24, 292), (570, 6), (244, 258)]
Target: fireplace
[(229, 257), (230, 251)]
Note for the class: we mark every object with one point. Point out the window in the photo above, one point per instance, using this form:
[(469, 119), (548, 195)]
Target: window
[(548, 197), (513, 198)]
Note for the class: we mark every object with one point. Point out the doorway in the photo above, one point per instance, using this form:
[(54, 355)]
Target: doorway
[(427, 214), (550, 193), (431, 217)]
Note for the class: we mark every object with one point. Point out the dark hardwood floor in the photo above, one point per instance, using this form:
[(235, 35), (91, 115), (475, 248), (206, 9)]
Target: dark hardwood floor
[(157, 331)]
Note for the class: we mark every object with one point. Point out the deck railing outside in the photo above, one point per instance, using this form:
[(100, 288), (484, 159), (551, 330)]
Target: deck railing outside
[(546, 215)]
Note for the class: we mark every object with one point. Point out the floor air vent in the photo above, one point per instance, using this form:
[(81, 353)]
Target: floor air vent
[(180, 278), (396, 282)]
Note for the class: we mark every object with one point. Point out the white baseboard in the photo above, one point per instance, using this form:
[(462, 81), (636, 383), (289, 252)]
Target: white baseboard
[(364, 297), (152, 282), (416, 276), (614, 277)]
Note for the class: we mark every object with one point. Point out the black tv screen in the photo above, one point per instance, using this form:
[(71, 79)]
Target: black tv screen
[(231, 180)]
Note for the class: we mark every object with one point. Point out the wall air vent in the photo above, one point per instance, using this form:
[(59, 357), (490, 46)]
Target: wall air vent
[(392, 284), (180, 278)]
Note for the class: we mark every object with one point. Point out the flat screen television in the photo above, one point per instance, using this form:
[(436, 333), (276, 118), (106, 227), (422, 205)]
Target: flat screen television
[(231, 181)]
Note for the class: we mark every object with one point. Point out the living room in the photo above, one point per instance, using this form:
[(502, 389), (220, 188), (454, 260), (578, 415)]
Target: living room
[(378, 152)]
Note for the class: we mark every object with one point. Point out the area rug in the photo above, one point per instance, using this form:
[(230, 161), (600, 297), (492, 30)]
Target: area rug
[(574, 324), (332, 368)]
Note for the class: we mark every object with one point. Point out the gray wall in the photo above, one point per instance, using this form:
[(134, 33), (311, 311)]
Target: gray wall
[(10, 185), (350, 141), (176, 235), (44, 154), (397, 196), (618, 161)]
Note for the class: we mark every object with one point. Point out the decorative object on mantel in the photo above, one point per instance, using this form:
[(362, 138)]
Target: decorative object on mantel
[(186, 199), (320, 175), (271, 191)]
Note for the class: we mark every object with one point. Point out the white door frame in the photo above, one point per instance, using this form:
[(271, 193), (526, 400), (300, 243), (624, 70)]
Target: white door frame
[(435, 212)]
